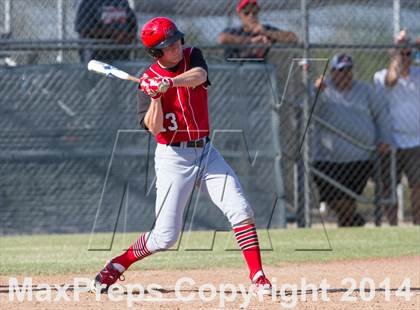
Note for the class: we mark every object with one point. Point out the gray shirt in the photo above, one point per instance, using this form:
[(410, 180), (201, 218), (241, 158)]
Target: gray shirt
[(360, 117)]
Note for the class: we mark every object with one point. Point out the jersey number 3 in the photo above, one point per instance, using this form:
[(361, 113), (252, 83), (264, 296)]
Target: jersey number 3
[(172, 118)]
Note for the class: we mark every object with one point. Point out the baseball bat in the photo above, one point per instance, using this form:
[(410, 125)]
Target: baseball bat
[(110, 71)]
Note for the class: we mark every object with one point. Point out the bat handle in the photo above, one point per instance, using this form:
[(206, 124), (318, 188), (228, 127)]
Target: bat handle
[(134, 79)]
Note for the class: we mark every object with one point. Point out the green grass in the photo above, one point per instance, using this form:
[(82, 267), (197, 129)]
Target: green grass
[(60, 254)]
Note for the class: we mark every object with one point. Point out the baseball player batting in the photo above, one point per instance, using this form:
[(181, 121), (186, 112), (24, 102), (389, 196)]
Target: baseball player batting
[(177, 115)]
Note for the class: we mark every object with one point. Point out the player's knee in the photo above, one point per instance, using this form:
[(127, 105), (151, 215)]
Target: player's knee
[(248, 221), (165, 240), (240, 217)]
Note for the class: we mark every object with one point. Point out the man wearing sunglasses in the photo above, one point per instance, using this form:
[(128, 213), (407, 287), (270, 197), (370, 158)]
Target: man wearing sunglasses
[(349, 120), (252, 32), (400, 84)]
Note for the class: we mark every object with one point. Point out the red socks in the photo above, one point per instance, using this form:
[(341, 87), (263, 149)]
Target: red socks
[(135, 252), (247, 238), (246, 235)]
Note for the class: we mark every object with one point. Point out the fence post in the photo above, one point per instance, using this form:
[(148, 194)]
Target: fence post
[(396, 17), (7, 13), (61, 17), (303, 192), (378, 192), (277, 145)]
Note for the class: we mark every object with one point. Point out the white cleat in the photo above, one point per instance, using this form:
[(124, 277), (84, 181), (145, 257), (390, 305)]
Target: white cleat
[(261, 285)]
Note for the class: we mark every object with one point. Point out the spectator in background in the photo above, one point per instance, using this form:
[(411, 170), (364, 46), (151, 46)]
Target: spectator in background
[(344, 153), (252, 32), (400, 84), (112, 20)]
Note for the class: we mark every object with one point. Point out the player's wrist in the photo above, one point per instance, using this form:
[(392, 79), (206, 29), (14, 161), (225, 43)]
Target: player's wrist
[(156, 96), (165, 84), (168, 82)]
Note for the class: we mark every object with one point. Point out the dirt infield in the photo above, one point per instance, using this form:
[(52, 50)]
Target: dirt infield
[(376, 281)]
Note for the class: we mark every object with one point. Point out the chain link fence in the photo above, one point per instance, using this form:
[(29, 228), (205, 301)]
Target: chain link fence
[(70, 149), (60, 122), (37, 25)]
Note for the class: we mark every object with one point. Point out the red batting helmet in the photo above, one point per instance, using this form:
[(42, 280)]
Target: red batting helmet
[(158, 33)]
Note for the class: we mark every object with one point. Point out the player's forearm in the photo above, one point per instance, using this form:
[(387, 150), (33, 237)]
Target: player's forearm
[(393, 73), (154, 117), (191, 78), (282, 36), (227, 38), (391, 78)]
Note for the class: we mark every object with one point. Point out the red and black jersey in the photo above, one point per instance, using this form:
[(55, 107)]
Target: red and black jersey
[(185, 109)]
